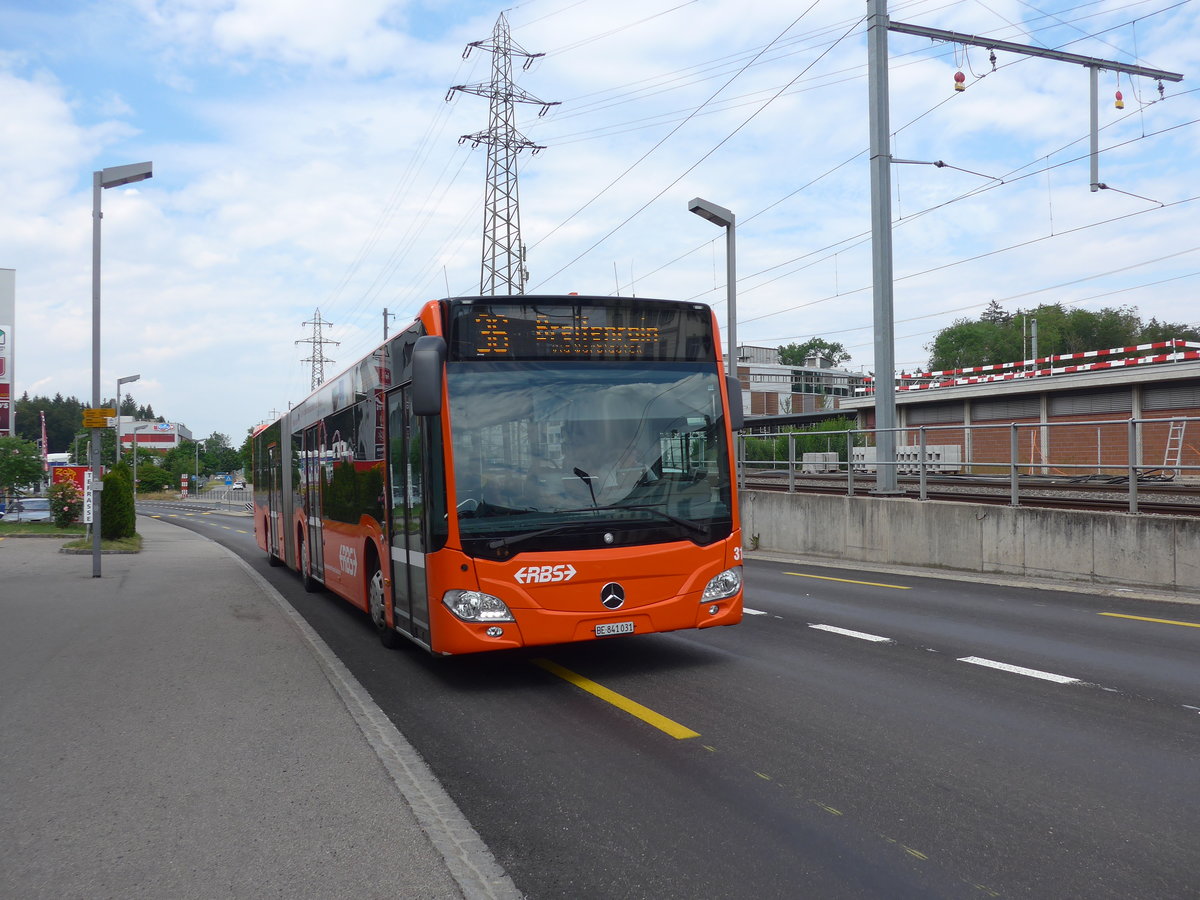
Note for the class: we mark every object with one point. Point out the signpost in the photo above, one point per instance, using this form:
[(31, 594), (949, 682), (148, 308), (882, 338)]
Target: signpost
[(98, 418), (94, 417)]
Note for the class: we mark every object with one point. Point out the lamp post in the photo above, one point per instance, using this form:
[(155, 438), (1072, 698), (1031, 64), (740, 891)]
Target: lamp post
[(136, 429), (719, 215), (113, 176), (121, 381), (196, 446)]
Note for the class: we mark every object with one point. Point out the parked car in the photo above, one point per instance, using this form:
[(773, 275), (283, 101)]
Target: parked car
[(28, 509)]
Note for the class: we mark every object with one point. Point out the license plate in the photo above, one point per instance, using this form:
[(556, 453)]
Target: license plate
[(609, 628)]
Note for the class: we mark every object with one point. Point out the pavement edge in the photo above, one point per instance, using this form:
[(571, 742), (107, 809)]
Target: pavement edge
[(468, 858)]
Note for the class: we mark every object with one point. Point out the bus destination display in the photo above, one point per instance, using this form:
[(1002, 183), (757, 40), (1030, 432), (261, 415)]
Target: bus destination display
[(659, 332)]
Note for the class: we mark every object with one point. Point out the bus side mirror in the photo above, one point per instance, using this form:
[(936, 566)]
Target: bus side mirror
[(733, 388), (429, 356)]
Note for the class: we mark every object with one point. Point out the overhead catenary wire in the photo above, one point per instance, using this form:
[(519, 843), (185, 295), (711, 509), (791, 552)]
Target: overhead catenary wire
[(394, 264)]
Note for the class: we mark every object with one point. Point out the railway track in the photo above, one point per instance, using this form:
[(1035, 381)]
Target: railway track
[(1157, 497)]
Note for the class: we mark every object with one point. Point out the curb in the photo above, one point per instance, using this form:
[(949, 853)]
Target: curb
[(25, 534), (90, 551)]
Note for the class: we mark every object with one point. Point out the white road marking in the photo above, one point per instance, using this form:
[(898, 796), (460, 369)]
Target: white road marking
[(753, 612), (1019, 670), (862, 636)]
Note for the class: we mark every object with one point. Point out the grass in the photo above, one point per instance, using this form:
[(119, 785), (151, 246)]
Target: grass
[(39, 528), (129, 544), (158, 495), (83, 541)]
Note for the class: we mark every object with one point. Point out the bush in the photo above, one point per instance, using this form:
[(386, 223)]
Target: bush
[(66, 503), (151, 478), (117, 516)]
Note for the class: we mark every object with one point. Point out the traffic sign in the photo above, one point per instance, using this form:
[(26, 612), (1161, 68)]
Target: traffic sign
[(98, 418)]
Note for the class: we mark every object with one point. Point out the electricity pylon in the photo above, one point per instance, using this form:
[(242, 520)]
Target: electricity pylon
[(503, 270), (318, 358)]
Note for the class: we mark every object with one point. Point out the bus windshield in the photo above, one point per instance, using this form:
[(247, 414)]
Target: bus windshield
[(574, 455)]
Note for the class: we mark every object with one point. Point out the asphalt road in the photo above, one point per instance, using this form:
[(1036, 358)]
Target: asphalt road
[(859, 735)]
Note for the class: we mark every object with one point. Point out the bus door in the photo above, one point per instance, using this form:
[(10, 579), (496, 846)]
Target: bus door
[(406, 467), (314, 452), (274, 477)]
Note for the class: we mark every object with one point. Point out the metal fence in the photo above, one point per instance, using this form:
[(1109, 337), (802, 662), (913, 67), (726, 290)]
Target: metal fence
[(1132, 452)]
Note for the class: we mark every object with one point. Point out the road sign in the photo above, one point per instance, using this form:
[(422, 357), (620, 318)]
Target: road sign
[(98, 418)]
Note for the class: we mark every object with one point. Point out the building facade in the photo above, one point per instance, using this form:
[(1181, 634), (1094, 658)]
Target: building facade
[(1096, 412), (772, 388), (153, 435)]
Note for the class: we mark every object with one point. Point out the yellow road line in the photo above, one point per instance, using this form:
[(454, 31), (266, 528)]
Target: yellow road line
[(899, 587), (1147, 619), (649, 716)]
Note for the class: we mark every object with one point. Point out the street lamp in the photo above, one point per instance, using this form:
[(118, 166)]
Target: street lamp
[(121, 381), (197, 447), (719, 215), (136, 429), (113, 176)]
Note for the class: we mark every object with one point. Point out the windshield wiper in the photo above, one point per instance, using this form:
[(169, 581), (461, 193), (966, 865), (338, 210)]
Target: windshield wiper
[(686, 523), (529, 535)]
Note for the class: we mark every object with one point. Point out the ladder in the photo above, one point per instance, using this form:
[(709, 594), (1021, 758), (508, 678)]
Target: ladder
[(1174, 448)]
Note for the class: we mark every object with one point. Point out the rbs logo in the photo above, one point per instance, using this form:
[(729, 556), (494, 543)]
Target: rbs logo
[(348, 560), (544, 574)]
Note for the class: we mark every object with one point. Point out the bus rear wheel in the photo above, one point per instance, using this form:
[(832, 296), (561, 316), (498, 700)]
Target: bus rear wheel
[(311, 585), (375, 594)]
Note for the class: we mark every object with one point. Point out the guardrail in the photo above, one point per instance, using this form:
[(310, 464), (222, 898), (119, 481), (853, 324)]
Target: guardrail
[(229, 498), (1122, 451)]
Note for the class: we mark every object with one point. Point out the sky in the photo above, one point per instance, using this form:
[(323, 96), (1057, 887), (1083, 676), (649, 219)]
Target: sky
[(306, 158)]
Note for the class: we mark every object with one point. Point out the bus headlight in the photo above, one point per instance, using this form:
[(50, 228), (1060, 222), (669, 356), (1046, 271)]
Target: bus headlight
[(476, 606), (724, 585)]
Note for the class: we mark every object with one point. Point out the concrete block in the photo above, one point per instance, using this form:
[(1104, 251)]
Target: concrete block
[(1134, 550), (1058, 543), (1001, 539), (1187, 554)]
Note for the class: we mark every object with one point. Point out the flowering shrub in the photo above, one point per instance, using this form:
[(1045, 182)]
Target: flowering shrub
[(66, 503)]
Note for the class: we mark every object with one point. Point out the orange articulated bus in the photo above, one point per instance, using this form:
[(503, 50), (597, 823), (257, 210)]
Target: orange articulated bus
[(516, 471)]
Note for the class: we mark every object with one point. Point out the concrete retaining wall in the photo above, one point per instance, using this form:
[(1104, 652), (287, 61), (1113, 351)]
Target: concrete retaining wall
[(1159, 553)]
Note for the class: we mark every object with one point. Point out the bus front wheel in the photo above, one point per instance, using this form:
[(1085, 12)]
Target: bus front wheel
[(375, 594)]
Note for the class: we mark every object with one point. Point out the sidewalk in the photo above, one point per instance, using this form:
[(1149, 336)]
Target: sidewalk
[(174, 729)]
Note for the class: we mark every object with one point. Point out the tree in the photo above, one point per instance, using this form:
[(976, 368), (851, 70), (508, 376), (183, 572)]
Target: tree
[(998, 338), (1155, 330), (20, 464), (796, 354), (79, 445), (63, 417), (995, 314), (246, 455), (224, 457), (152, 477), (117, 516), (967, 343)]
